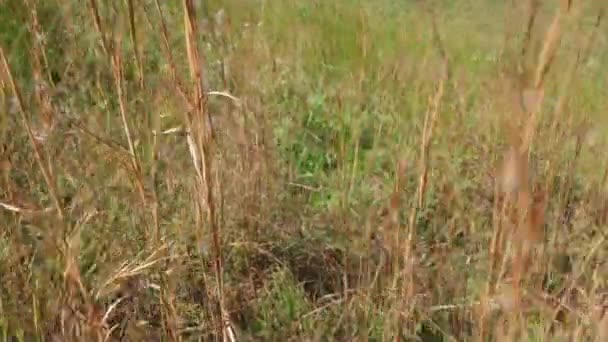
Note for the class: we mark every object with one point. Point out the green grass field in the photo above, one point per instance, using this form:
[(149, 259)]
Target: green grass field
[(281, 170)]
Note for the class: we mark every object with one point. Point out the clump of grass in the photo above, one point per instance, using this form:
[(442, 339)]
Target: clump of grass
[(245, 170)]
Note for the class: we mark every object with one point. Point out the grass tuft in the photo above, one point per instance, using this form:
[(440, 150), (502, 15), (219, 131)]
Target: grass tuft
[(282, 170)]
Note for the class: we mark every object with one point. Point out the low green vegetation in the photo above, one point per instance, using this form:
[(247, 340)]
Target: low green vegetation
[(358, 183)]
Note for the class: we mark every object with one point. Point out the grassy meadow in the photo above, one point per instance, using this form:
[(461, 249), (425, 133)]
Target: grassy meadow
[(282, 170)]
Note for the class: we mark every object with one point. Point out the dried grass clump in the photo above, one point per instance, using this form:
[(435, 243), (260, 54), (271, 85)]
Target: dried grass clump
[(232, 172)]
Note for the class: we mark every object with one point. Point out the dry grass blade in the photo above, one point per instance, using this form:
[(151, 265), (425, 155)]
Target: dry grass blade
[(570, 81), (97, 20), (551, 43), (27, 211), (131, 269), (234, 99), (140, 67), (110, 144), (226, 175), (115, 58), (169, 54), (203, 141), (427, 132), (545, 60), (430, 119), (41, 58), (118, 79), (39, 159), (533, 6)]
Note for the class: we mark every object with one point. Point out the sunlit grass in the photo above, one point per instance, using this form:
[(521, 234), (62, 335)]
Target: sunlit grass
[(336, 134)]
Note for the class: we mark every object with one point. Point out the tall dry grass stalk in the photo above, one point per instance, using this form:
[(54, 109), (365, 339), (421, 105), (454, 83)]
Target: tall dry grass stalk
[(175, 289), (200, 126), (135, 42), (430, 121), (113, 53), (35, 145), (519, 212), (153, 234)]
